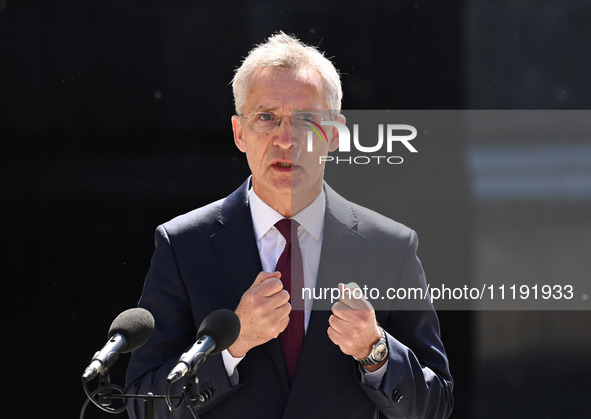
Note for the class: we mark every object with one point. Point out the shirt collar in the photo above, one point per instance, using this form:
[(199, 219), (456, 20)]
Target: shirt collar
[(310, 218)]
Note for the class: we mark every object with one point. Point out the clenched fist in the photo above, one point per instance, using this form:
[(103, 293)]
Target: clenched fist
[(263, 312), (353, 324)]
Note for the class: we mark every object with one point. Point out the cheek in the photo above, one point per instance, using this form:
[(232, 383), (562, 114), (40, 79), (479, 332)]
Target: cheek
[(322, 149), (255, 156)]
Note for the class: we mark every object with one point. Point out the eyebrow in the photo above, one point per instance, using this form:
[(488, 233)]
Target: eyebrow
[(274, 110), (263, 108)]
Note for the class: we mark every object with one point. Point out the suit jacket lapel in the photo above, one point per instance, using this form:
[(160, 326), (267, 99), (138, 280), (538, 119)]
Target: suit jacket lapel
[(235, 243)]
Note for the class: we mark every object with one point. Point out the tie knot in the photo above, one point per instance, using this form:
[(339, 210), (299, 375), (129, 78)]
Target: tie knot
[(288, 229)]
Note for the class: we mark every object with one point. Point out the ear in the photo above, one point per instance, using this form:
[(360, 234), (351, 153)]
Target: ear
[(237, 128), (334, 142)]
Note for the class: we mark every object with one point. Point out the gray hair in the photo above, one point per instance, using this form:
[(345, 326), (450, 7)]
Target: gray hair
[(286, 52)]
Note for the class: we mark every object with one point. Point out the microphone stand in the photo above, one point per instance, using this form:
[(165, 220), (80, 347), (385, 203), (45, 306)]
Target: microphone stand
[(150, 407), (192, 396), (104, 396)]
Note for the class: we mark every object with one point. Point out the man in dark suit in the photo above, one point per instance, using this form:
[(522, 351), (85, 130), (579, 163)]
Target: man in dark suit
[(350, 360)]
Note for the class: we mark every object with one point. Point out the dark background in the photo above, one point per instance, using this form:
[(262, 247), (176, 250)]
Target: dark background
[(115, 117)]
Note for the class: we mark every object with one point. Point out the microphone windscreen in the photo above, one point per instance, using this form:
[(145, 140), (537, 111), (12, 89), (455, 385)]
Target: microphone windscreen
[(223, 326), (136, 324)]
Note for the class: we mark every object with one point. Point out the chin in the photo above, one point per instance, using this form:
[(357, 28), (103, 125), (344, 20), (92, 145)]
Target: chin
[(303, 187), (280, 188)]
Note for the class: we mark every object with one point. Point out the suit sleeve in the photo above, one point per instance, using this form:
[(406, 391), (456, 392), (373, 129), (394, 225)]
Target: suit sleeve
[(417, 383), (166, 297)]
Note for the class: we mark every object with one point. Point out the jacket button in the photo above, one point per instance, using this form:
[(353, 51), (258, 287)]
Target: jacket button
[(396, 396)]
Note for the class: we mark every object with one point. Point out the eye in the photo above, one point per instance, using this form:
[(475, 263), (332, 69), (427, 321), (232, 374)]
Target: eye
[(307, 116), (266, 116)]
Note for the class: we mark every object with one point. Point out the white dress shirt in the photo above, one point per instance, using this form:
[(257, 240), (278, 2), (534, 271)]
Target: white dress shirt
[(270, 243)]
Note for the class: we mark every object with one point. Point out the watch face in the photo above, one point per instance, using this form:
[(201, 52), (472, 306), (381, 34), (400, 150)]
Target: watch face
[(380, 352)]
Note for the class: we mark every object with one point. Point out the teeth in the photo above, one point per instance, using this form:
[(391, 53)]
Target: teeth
[(281, 164)]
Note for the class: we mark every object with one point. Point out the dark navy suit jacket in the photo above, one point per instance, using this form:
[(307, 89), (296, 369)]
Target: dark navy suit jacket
[(206, 259)]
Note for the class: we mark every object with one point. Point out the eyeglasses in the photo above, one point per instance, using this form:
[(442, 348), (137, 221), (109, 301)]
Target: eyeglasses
[(269, 121)]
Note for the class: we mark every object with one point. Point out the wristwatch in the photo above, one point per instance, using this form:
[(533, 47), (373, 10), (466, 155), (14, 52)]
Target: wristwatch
[(378, 352)]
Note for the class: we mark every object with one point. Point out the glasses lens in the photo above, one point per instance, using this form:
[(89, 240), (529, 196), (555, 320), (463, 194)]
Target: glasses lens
[(302, 121), (263, 121)]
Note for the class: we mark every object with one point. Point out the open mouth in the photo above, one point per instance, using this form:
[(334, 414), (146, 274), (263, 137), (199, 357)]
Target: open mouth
[(284, 165)]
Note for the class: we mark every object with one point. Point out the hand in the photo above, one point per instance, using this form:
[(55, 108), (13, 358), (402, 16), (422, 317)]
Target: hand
[(353, 324), (263, 312)]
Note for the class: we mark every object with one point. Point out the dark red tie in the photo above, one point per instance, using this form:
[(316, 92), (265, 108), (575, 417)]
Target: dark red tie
[(292, 275)]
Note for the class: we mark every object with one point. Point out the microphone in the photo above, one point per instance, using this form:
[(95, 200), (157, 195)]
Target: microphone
[(130, 330), (217, 332)]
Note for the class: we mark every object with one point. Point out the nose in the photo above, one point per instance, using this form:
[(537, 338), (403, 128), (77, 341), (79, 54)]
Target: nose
[(282, 136)]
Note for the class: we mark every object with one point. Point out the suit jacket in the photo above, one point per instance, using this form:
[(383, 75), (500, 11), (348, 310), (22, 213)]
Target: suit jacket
[(206, 259)]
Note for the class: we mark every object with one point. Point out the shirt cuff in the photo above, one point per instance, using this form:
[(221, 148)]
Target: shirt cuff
[(230, 363), (374, 378)]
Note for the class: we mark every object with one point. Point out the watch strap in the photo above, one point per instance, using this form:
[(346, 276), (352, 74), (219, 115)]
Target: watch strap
[(370, 360)]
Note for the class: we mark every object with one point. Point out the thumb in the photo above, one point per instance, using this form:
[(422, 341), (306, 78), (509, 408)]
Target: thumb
[(263, 276)]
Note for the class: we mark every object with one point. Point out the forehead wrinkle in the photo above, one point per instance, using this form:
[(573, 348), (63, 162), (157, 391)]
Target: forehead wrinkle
[(274, 99), (265, 108)]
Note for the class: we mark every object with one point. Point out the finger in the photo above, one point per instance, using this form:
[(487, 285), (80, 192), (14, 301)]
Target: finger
[(270, 287), (284, 310), (334, 336), (352, 296), (282, 325), (280, 319), (278, 300), (340, 309), (337, 324), (351, 316), (263, 276)]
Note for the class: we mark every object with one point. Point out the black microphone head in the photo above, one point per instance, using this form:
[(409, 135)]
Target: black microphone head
[(136, 324), (223, 326)]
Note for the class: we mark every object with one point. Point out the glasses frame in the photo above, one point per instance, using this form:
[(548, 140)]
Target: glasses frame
[(251, 116)]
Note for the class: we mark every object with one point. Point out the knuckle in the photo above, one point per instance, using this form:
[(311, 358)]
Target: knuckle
[(274, 281), (366, 314), (273, 285)]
